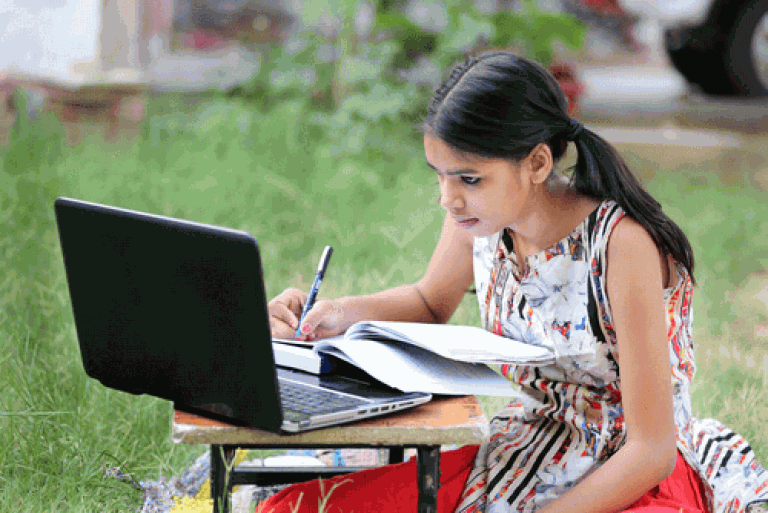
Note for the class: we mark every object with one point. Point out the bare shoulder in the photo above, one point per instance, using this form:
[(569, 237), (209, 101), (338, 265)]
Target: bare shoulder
[(628, 232), (632, 253)]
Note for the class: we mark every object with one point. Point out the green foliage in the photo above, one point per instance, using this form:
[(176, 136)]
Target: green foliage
[(466, 29), (37, 141), (331, 69), (29, 179), (57, 430), (537, 32)]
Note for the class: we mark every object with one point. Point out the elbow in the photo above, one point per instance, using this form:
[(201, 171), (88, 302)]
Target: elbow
[(664, 457), (670, 461), (437, 318), (658, 458), (441, 318)]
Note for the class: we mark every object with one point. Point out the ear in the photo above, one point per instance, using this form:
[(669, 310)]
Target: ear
[(539, 163)]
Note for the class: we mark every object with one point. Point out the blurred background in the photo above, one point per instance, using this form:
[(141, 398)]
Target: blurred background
[(610, 55), (295, 121)]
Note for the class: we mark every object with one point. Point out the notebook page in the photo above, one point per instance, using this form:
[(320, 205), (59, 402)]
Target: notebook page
[(465, 343), (412, 369)]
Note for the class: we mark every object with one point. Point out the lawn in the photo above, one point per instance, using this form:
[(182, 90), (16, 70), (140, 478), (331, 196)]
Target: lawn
[(296, 187)]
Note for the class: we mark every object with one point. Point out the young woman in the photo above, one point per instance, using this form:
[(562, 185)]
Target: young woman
[(591, 268)]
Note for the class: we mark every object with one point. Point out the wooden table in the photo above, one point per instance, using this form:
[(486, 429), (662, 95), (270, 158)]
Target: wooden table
[(444, 420)]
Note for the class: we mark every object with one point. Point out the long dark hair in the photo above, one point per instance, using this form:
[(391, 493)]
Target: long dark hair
[(500, 105)]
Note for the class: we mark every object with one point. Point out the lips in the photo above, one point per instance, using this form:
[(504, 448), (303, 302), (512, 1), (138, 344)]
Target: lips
[(468, 222)]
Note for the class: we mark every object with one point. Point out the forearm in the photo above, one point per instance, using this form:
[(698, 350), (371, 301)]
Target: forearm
[(624, 478), (404, 303)]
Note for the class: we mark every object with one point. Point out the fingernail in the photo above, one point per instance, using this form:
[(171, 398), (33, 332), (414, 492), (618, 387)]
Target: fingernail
[(305, 329)]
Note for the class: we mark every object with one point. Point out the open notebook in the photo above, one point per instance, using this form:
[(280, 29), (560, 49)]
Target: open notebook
[(435, 358)]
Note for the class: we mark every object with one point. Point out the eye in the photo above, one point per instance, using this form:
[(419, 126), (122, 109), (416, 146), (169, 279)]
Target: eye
[(470, 180)]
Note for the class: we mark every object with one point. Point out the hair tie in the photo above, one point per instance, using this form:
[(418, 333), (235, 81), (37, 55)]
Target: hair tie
[(574, 129)]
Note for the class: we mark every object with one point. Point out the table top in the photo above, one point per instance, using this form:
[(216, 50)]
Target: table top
[(443, 420)]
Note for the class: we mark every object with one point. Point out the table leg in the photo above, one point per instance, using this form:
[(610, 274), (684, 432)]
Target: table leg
[(396, 454), (429, 477), (221, 457)]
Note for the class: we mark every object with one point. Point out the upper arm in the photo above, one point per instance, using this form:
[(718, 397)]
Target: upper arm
[(634, 280), (449, 274)]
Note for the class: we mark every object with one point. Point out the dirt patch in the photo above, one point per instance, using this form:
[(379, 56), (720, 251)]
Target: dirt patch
[(755, 292), (735, 158), (751, 304), (735, 166), (740, 115), (761, 179)]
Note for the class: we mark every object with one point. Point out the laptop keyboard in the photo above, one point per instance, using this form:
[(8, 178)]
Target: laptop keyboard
[(306, 399)]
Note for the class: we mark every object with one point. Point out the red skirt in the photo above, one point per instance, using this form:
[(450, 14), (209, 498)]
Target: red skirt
[(394, 488), (681, 492)]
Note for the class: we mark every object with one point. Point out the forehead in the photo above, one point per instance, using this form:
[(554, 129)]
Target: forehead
[(444, 158), (436, 149)]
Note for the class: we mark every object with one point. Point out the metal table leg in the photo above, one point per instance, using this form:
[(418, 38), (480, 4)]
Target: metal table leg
[(429, 477), (396, 454), (428, 462)]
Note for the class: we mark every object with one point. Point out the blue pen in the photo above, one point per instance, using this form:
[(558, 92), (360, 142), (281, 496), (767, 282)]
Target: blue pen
[(326, 256)]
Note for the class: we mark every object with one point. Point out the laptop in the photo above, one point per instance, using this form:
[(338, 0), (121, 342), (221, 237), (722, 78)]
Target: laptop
[(177, 310)]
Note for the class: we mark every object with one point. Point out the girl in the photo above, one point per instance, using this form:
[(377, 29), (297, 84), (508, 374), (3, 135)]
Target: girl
[(591, 268)]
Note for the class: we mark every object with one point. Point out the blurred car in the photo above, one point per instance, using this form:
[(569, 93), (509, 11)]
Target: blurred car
[(719, 45)]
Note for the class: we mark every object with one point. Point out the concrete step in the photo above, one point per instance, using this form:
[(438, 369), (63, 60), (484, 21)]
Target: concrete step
[(201, 71), (650, 90), (655, 94)]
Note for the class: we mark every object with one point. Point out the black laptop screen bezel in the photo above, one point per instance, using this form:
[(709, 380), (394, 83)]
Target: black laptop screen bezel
[(171, 308)]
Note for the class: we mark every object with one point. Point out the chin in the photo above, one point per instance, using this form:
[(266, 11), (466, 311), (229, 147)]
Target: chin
[(483, 231)]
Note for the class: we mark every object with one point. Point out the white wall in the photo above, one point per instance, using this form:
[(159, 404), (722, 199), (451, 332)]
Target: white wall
[(59, 40)]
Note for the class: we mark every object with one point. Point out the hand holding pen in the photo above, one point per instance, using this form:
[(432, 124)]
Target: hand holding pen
[(322, 266)]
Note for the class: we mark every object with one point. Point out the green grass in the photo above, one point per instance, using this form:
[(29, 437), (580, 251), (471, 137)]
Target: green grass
[(281, 178)]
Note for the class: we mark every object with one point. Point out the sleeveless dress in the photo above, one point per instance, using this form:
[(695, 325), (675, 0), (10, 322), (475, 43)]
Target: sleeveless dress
[(567, 418)]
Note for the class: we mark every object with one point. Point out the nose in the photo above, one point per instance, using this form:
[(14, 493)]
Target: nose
[(450, 196)]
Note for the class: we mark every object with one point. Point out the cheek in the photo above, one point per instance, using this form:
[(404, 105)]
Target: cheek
[(498, 203), (511, 196)]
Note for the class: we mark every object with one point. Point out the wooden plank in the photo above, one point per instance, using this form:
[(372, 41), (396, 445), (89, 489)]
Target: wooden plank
[(444, 420)]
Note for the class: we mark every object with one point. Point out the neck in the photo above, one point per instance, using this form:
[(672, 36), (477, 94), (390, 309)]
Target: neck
[(555, 212)]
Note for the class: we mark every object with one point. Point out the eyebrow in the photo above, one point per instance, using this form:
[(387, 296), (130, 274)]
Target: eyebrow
[(452, 172)]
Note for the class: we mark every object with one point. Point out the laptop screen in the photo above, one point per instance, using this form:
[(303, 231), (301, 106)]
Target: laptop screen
[(171, 308)]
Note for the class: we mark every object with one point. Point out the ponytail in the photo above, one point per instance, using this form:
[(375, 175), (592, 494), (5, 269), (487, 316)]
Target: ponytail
[(602, 173)]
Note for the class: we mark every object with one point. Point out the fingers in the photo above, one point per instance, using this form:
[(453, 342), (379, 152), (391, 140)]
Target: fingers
[(284, 312), (321, 321), (293, 297), (282, 321)]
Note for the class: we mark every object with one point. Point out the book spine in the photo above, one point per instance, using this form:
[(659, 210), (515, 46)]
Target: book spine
[(301, 359)]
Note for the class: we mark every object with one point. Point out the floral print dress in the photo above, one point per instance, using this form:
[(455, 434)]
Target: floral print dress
[(567, 418)]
